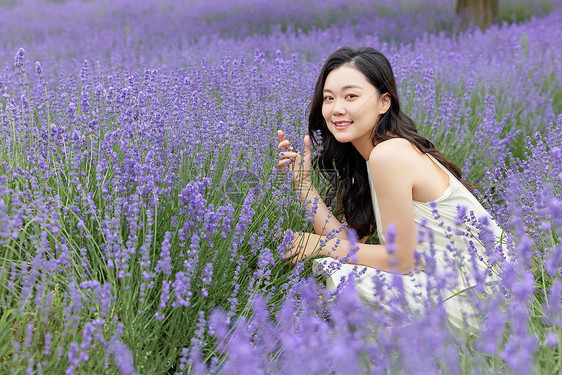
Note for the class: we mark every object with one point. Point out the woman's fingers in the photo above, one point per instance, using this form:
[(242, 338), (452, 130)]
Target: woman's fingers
[(296, 255), (307, 153), (285, 145), (297, 252), (282, 164), (288, 154)]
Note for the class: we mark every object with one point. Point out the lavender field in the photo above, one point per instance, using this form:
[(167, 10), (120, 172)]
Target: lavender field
[(143, 222)]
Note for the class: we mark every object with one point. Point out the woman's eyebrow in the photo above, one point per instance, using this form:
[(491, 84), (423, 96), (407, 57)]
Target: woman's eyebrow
[(351, 86)]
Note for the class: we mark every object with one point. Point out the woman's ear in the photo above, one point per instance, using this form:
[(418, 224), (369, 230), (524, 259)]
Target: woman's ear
[(386, 101)]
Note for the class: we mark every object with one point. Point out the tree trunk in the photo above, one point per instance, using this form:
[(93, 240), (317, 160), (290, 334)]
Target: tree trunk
[(480, 12)]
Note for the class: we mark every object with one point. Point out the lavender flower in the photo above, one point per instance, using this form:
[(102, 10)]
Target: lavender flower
[(123, 358), (18, 61)]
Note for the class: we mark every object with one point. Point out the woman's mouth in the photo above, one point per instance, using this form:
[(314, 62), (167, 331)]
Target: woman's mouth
[(340, 125)]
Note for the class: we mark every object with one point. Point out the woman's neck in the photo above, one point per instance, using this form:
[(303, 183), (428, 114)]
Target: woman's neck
[(365, 147), (364, 150)]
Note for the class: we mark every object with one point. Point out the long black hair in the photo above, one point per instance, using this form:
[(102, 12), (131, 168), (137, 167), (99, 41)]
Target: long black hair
[(352, 195)]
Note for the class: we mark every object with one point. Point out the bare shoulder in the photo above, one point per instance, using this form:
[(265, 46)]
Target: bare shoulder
[(392, 165), (394, 152)]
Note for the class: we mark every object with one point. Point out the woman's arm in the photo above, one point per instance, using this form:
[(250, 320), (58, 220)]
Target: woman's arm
[(323, 221), (394, 172), (376, 256), (393, 175)]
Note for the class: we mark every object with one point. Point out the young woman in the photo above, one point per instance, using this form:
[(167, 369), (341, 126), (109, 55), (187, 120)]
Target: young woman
[(389, 179)]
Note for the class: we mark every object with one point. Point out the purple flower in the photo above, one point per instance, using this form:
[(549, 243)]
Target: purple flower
[(73, 357), (165, 296), (218, 327), (47, 347), (551, 339), (165, 264), (18, 61), (123, 358), (553, 306), (555, 206), (207, 274), (30, 365), (28, 336), (181, 287), (390, 238)]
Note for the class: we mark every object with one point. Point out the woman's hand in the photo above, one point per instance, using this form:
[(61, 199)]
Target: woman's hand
[(303, 246), (301, 165)]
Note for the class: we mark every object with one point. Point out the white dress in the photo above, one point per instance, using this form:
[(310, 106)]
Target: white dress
[(451, 255)]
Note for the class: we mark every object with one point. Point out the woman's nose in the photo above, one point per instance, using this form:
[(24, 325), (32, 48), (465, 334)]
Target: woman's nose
[(339, 108)]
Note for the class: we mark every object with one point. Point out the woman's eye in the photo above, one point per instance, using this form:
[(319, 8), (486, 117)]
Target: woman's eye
[(350, 96), (327, 98)]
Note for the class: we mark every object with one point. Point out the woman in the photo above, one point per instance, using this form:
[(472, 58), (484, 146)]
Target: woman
[(390, 179)]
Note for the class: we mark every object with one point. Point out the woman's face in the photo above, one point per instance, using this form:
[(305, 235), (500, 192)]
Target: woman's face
[(351, 106)]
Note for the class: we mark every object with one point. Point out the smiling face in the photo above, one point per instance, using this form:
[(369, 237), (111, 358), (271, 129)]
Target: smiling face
[(352, 106)]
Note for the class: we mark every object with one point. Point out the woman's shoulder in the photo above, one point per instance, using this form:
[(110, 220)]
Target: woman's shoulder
[(394, 161), (394, 150)]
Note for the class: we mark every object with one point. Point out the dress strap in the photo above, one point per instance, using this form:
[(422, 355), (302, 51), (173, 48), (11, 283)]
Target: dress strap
[(376, 210), (440, 165)]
